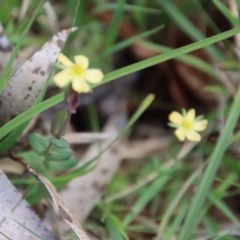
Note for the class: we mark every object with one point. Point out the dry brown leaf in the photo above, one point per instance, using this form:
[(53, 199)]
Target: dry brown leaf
[(16, 217), (58, 202), (139, 149), (9, 166), (26, 83), (80, 138), (61, 207)]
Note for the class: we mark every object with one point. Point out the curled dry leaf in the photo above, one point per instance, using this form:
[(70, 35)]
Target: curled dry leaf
[(61, 207), (26, 83), (16, 217)]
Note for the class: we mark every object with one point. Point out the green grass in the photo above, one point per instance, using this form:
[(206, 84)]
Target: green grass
[(169, 193)]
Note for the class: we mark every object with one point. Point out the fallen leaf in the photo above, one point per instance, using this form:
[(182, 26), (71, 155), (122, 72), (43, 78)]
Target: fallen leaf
[(23, 87)]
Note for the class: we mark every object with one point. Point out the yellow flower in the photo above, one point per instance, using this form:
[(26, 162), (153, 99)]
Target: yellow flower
[(77, 73), (187, 125)]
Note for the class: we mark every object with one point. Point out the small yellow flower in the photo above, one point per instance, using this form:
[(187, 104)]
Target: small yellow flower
[(77, 73), (187, 125)]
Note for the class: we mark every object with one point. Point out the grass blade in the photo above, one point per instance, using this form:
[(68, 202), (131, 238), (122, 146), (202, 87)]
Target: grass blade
[(227, 13), (117, 74), (113, 31), (208, 177), (186, 25), (20, 119), (121, 45), (127, 7), (6, 71), (145, 198), (223, 208), (169, 55), (175, 202), (188, 58)]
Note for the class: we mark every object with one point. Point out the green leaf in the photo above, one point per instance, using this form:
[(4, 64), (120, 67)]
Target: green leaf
[(35, 193), (34, 160), (58, 151), (59, 143), (38, 143), (65, 165), (115, 227)]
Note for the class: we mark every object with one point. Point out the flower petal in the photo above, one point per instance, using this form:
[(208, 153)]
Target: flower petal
[(200, 125), (79, 85), (180, 134), (175, 117), (64, 60), (190, 115), (193, 136), (81, 61), (94, 76), (62, 78)]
